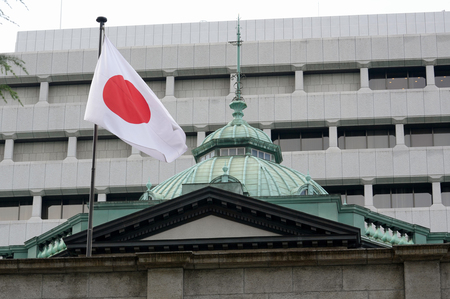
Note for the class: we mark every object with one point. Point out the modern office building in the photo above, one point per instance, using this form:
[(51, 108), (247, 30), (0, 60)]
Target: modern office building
[(360, 103)]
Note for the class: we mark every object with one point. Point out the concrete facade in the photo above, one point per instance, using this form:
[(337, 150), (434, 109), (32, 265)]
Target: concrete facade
[(401, 272), (300, 74)]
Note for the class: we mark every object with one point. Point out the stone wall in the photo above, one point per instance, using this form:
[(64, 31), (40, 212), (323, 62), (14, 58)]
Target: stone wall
[(421, 271)]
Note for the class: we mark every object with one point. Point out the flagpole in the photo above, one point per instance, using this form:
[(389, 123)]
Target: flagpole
[(102, 21)]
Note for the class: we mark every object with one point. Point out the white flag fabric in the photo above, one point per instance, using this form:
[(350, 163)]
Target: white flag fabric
[(122, 103)]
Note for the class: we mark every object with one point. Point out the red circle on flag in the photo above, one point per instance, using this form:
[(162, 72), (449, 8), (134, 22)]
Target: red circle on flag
[(122, 98)]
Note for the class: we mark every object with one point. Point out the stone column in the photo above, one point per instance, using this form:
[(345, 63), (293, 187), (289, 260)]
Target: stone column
[(368, 196), (200, 137), (72, 147), (170, 86), (135, 153), (436, 193), (9, 150), (44, 89), (364, 78), (400, 135), (165, 283), (430, 76), (268, 132), (332, 137), (101, 197), (299, 85), (36, 212)]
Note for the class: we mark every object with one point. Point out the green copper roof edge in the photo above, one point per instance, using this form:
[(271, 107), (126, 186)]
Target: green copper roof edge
[(118, 205), (431, 237), (242, 142), (50, 234)]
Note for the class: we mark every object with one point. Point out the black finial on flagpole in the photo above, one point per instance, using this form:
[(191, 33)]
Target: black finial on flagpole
[(102, 21)]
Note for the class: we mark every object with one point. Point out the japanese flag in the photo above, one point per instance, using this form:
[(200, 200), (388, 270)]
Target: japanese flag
[(122, 103)]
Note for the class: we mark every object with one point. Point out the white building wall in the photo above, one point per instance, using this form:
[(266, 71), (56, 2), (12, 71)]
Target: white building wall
[(302, 73)]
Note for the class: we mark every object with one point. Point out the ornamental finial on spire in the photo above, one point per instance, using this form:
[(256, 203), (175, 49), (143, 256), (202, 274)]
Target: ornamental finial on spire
[(238, 104)]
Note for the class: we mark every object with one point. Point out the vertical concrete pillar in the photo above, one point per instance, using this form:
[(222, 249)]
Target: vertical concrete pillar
[(72, 147), (422, 279), (299, 85), (165, 283), (436, 193), (268, 132), (399, 134), (170, 86), (43, 92), (135, 152), (364, 77), (200, 137), (430, 76), (36, 210), (9, 150), (332, 136), (368, 196), (101, 197)]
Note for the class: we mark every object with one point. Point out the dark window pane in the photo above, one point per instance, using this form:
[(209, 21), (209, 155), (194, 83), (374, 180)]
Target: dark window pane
[(421, 137), (445, 193), (382, 197), (402, 197), (377, 84), (397, 83), (312, 141), (392, 140), (26, 207), (382, 201), (441, 136), (71, 210), (377, 139), (289, 145), (402, 200), (355, 142), (355, 196), (9, 213), (326, 142), (422, 199), (417, 82), (54, 211), (442, 81)]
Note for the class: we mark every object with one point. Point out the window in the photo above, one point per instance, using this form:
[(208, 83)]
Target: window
[(262, 155), (442, 76), (366, 137), (16, 208), (349, 194), (397, 78), (427, 135), (208, 155), (402, 196), (64, 207), (301, 139), (123, 196), (445, 194), (232, 151)]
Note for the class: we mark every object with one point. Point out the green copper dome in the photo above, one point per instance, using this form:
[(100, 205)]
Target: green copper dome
[(245, 154), (238, 153), (259, 177)]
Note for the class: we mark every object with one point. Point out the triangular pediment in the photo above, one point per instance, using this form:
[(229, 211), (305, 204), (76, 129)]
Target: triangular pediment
[(212, 218), (211, 227)]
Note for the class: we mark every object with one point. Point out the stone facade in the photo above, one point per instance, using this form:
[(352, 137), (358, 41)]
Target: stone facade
[(418, 271)]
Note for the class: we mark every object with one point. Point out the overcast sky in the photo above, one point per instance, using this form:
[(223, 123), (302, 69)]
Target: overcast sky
[(47, 14)]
